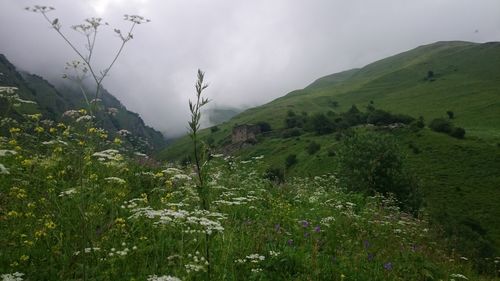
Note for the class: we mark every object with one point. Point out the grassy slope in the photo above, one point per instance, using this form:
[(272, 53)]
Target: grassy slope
[(459, 177)]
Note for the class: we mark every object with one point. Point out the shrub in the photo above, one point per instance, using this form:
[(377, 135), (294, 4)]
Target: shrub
[(313, 147), (291, 160), (321, 124), (275, 174), (291, 133), (450, 113), (214, 129), (441, 125), (264, 126), (458, 132), (372, 163)]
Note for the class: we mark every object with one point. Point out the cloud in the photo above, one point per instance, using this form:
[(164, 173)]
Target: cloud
[(251, 51)]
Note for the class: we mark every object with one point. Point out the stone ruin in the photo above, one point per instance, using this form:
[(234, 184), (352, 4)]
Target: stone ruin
[(245, 133)]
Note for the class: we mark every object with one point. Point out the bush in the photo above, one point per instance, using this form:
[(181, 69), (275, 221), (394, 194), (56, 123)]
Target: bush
[(321, 124), (264, 126), (291, 133), (291, 160), (372, 163), (450, 113), (214, 129), (275, 174), (313, 147), (441, 125), (458, 132)]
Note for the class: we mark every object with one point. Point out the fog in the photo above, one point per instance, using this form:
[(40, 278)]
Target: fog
[(252, 51)]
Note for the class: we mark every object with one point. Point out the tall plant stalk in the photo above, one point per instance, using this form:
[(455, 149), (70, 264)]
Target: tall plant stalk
[(199, 153)]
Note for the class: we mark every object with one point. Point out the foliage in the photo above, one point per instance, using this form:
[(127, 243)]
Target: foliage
[(291, 160), (264, 126), (441, 125), (321, 124), (458, 132), (373, 163), (313, 147)]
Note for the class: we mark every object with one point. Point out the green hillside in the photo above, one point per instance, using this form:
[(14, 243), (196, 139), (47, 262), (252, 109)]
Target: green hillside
[(460, 178), (52, 102)]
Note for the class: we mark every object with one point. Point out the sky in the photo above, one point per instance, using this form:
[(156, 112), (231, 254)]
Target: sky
[(251, 51)]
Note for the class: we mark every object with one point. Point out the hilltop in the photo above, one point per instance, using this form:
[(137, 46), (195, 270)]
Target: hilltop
[(459, 177)]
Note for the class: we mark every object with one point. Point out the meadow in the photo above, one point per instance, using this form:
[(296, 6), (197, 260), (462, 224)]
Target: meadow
[(78, 204)]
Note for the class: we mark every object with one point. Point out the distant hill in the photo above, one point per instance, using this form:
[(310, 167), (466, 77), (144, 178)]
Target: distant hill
[(52, 102), (460, 178)]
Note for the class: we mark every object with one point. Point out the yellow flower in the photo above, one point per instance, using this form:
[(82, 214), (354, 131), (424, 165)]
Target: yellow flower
[(117, 141), (27, 162), (58, 150), (103, 136), (66, 133), (81, 143), (35, 117), (82, 111), (14, 130), (52, 130), (13, 214), (18, 148), (24, 258), (12, 142), (61, 125), (39, 129), (50, 224), (92, 130), (40, 233)]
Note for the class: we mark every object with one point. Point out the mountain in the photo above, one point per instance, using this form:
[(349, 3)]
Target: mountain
[(459, 177), (53, 101)]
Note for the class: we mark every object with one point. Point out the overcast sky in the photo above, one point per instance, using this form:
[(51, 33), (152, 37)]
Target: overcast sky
[(252, 51)]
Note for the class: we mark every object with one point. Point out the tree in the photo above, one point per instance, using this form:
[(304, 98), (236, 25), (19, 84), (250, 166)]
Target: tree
[(372, 163), (321, 124), (441, 125)]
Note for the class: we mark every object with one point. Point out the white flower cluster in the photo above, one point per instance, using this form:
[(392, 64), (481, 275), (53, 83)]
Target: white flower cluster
[(16, 276), (68, 192), (162, 278), (115, 180), (3, 170), (54, 142), (109, 154), (202, 221), (5, 152)]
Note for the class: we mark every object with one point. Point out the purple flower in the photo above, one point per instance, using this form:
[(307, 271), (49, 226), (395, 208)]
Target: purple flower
[(370, 257), (305, 223), (306, 234), (317, 229), (290, 242), (388, 265), (277, 227), (366, 244)]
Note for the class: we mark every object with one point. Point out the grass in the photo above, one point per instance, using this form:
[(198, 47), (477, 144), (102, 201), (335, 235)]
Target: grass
[(459, 177), (76, 206)]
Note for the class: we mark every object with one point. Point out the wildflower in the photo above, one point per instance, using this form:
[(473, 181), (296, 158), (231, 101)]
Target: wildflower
[(16, 276), (50, 224), (14, 130), (117, 141), (317, 229), (39, 130), (388, 266), (3, 170), (457, 275), (115, 180), (24, 258), (305, 223), (52, 130), (290, 242), (162, 278), (4, 152)]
